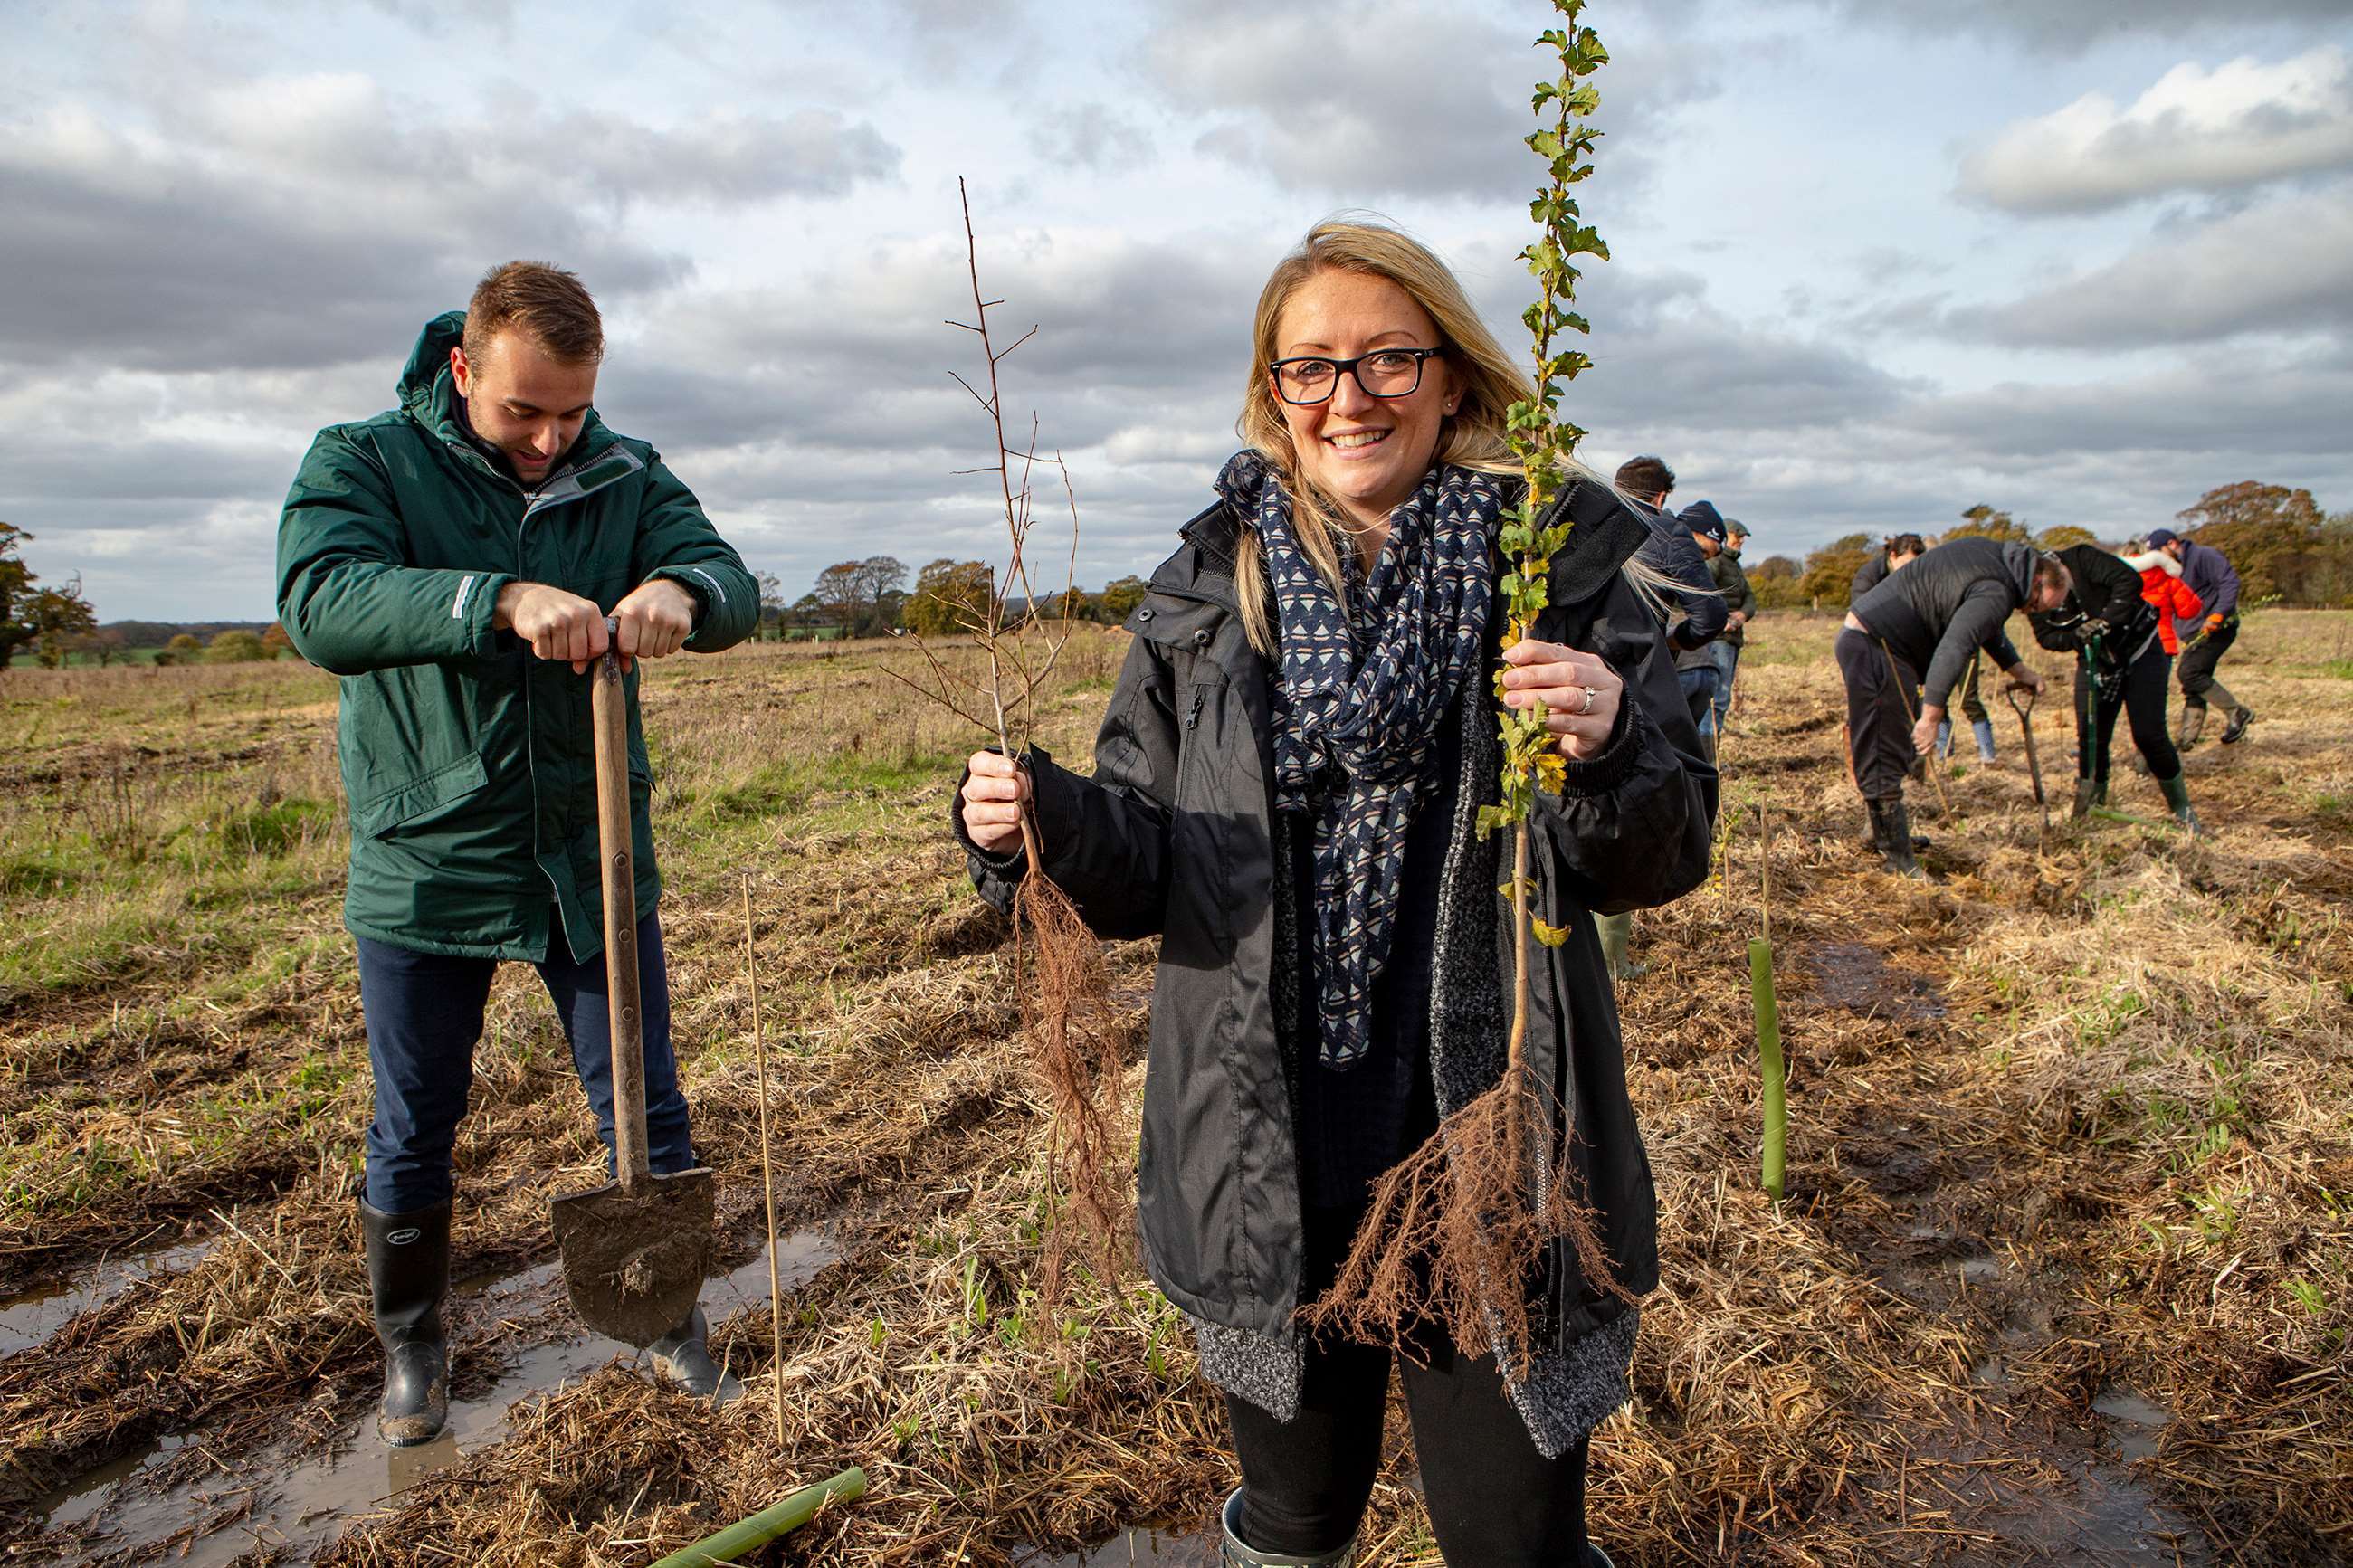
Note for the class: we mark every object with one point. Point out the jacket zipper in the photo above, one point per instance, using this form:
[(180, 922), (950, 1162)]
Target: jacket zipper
[(1200, 696)]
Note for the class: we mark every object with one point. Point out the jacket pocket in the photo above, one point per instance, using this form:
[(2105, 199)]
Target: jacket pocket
[(417, 801)]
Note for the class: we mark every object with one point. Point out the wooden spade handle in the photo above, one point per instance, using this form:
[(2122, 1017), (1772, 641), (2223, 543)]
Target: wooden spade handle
[(610, 706)]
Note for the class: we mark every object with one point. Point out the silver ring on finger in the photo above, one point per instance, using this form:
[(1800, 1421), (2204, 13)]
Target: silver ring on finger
[(1589, 694)]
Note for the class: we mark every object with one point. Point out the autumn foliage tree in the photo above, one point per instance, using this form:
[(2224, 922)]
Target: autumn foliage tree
[(949, 596), (2274, 536)]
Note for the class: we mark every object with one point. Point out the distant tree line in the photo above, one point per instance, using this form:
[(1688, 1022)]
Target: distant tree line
[(2286, 549), (872, 598)]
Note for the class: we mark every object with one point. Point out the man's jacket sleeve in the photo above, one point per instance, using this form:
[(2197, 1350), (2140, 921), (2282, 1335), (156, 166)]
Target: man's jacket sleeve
[(676, 541), (1670, 550), (346, 595)]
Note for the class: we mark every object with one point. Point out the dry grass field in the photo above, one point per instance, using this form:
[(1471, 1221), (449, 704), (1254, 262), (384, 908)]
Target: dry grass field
[(2065, 1275)]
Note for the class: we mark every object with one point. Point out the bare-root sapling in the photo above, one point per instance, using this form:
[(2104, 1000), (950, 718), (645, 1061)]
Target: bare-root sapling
[(1058, 962), (1458, 1233)]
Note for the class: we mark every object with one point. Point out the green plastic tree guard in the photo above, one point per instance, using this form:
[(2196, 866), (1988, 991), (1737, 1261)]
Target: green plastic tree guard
[(714, 1550)]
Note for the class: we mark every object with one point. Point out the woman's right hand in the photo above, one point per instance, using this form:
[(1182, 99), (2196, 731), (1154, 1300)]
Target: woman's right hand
[(991, 799)]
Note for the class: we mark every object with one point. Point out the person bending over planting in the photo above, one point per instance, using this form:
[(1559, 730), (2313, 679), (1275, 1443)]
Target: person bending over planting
[(1286, 791), (2122, 666), (455, 561), (1920, 628)]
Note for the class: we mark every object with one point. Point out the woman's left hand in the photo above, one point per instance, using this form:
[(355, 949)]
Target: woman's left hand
[(1579, 691)]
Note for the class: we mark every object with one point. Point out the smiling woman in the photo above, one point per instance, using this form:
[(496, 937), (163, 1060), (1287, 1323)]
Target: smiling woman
[(1332, 972)]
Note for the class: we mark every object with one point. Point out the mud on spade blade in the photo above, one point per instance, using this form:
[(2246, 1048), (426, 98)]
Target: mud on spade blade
[(636, 1250)]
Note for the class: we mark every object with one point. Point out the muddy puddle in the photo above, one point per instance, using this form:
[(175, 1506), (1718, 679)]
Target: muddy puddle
[(1166, 1546), (293, 1497), (1849, 975), (31, 1316)]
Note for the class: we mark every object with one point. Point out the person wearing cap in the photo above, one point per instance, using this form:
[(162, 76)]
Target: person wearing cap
[(1740, 608), (1672, 554), (1701, 670), (2209, 575), (1922, 627)]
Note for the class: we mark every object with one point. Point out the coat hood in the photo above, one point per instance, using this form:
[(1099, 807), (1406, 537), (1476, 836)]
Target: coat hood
[(2018, 564), (428, 394)]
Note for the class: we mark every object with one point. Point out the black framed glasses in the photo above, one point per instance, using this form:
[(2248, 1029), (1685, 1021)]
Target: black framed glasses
[(1383, 373)]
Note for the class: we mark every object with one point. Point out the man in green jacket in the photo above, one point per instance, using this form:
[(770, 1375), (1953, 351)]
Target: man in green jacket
[(1740, 607), (455, 560)]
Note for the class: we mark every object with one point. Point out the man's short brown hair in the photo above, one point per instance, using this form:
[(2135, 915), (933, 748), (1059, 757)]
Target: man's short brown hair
[(1646, 476), (2050, 571), (546, 304), (1906, 544)]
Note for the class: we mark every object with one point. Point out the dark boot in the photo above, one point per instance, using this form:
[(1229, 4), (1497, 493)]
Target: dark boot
[(1891, 835), (2237, 728), (409, 1273), (2100, 790), (1235, 1553), (2193, 724), (683, 1355), (2177, 795), (2083, 798)]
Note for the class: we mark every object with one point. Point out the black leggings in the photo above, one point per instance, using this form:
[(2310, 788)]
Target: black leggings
[(2140, 695), (1494, 1501)]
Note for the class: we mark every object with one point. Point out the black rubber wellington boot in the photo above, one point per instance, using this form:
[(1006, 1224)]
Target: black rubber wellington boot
[(683, 1355), (1891, 835), (2177, 795), (409, 1273)]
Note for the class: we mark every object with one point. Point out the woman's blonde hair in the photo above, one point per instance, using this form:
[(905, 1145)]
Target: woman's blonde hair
[(1472, 436)]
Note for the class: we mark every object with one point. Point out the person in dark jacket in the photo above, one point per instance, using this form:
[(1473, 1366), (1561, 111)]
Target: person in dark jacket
[(1900, 550), (456, 561), (2211, 576), (1697, 669), (1286, 791), (2121, 667), (1740, 607), (1920, 628)]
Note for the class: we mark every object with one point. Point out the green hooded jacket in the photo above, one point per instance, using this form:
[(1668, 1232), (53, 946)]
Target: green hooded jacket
[(467, 761)]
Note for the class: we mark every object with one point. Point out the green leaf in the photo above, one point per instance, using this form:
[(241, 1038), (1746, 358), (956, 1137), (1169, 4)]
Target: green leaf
[(1550, 935)]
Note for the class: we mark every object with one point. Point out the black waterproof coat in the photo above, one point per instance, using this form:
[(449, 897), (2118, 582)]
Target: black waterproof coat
[(1173, 836), (1938, 612), (2105, 601)]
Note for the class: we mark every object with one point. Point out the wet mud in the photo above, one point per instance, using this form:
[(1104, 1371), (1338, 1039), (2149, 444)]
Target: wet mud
[(181, 1498)]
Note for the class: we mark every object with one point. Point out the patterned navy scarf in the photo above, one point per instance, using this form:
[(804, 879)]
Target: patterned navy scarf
[(1360, 694)]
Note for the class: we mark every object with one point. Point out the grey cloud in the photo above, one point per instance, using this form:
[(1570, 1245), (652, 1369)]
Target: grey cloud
[(2077, 25), (2284, 266), (1090, 136), (2239, 125), (1406, 99), (300, 228)]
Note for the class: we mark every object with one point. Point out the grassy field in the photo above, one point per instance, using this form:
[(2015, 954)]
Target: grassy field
[(2067, 1266)]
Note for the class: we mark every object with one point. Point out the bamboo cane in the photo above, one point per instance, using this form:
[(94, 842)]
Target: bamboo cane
[(768, 1166)]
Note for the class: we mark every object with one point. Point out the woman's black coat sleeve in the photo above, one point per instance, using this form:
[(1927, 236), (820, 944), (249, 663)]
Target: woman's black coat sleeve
[(1106, 837), (1631, 826)]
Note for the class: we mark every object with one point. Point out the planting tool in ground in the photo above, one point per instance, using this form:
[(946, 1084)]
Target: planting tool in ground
[(2025, 712), (1773, 1068), (634, 1250)]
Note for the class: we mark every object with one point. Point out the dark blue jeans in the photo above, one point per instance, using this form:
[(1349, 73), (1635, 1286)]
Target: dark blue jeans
[(1699, 692), (424, 1014)]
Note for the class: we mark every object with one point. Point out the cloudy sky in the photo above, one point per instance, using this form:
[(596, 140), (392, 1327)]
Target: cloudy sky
[(1875, 260)]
